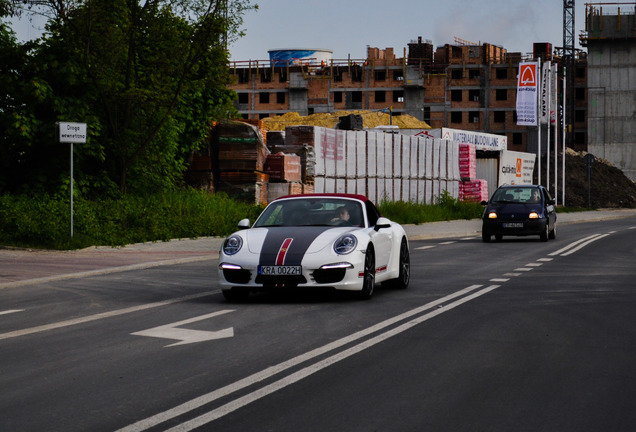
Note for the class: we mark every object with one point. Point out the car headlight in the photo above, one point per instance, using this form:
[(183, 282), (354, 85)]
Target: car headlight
[(533, 215), (232, 245), (492, 215), (345, 244)]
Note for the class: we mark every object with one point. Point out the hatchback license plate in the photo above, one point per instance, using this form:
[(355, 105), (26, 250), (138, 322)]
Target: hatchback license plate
[(513, 225), (280, 270)]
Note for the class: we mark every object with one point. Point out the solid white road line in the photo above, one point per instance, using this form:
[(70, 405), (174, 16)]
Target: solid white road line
[(574, 244), (7, 312), (439, 305), (582, 245), (316, 367)]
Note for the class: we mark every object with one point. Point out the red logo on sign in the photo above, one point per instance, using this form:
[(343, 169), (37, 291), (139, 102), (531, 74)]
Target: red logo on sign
[(518, 167), (528, 75)]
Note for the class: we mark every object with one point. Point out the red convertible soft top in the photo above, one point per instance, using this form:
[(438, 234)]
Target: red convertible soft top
[(335, 195)]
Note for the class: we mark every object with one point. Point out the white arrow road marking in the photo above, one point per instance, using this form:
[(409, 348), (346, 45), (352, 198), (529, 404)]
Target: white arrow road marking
[(185, 336)]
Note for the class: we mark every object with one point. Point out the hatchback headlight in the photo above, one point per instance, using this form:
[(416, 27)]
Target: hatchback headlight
[(492, 215), (533, 215), (345, 244), (232, 245)]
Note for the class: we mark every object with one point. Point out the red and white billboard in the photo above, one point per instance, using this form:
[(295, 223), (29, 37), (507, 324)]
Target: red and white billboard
[(527, 92)]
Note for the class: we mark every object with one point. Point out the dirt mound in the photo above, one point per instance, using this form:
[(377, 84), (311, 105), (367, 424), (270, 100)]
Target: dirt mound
[(370, 119), (609, 187)]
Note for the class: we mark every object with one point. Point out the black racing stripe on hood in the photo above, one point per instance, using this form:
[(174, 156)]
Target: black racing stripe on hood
[(302, 237)]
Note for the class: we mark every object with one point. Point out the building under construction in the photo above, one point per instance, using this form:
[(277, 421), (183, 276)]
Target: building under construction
[(610, 37), (465, 85)]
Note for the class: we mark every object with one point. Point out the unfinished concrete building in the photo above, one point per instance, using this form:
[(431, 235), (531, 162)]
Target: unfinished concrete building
[(464, 85), (610, 36)]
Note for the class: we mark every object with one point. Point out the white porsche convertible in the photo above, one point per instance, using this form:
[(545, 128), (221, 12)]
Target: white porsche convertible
[(337, 241)]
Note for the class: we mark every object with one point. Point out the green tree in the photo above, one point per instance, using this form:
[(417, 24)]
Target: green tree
[(147, 77), (26, 150)]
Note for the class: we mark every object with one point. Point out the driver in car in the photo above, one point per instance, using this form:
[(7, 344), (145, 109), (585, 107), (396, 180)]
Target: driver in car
[(534, 198), (342, 215)]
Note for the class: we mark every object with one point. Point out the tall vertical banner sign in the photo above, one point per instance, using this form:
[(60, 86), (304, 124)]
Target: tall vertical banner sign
[(553, 97), (527, 87), (546, 93)]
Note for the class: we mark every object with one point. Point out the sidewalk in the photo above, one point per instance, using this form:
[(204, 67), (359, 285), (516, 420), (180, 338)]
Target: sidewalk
[(25, 266)]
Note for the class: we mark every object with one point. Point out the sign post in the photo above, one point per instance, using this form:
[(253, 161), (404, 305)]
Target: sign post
[(71, 133)]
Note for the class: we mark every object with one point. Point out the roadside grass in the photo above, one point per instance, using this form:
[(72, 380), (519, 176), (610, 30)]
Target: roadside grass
[(43, 222), (445, 208)]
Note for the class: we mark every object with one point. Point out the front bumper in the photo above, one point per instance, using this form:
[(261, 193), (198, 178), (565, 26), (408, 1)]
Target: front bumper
[(502, 227), (338, 272)]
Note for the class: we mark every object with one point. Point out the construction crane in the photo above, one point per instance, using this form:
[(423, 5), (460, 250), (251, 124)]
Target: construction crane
[(568, 65)]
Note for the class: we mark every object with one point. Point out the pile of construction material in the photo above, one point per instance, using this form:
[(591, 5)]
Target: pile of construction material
[(239, 163), (290, 164), (255, 167), (470, 188), (370, 119), (381, 166)]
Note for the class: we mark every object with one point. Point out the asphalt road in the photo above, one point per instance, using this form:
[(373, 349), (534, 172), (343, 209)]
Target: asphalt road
[(513, 335)]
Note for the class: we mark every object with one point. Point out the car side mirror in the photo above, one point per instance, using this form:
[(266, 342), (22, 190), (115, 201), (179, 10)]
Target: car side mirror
[(484, 203), (382, 223), (551, 201), (244, 224)]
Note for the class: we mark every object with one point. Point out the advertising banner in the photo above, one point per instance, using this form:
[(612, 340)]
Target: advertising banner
[(553, 97), (516, 168), (546, 92), (527, 88), (481, 140)]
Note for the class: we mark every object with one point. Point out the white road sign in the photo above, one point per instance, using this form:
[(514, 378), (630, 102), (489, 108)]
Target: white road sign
[(72, 132)]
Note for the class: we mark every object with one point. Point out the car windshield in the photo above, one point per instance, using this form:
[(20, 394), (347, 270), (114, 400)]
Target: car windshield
[(312, 212), (520, 195)]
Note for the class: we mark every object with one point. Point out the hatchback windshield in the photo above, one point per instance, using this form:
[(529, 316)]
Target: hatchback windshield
[(530, 195)]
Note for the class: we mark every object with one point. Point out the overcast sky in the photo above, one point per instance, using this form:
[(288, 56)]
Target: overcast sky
[(348, 27)]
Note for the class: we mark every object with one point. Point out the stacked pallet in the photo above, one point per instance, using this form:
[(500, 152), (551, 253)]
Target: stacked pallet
[(467, 161), (291, 162), (470, 188), (473, 190), (238, 156), (284, 175)]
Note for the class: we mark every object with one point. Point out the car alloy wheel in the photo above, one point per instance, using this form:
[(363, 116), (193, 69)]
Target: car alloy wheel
[(368, 279), (402, 281)]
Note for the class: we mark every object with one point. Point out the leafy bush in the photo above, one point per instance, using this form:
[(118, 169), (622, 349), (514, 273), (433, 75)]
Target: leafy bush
[(44, 221)]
